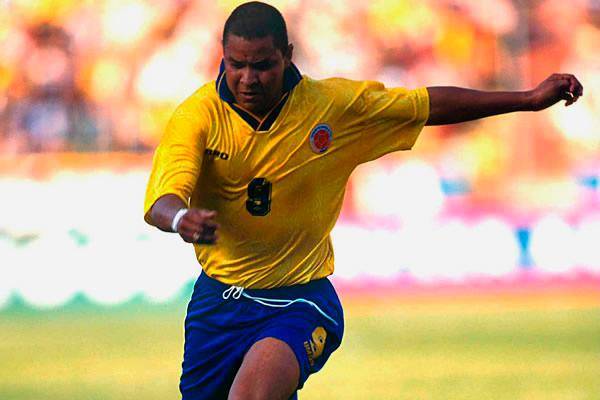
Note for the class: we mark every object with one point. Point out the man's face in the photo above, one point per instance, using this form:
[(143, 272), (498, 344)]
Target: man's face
[(255, 70)]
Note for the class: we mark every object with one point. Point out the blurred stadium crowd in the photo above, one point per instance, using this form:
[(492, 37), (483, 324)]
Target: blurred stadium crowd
[(105, 75), (81, 78)]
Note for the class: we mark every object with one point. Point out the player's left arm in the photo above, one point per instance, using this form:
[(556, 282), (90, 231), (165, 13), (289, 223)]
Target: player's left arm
[(451, 105)]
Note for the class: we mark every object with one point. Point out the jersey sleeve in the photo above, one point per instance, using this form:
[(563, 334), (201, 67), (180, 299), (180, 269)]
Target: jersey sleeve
[(380, 120), (178, 158)]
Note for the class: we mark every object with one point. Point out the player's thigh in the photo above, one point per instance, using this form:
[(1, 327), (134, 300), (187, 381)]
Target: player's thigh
[(270, 371)]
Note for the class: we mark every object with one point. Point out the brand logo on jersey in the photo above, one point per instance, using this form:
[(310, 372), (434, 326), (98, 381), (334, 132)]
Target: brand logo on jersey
[(314, 347), (320, 138), (214, 154)]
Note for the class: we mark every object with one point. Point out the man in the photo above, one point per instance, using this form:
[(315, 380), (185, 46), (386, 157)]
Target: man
[(252, 170)]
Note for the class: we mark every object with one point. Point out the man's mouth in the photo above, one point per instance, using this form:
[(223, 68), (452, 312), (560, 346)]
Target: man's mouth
[(249, 96)]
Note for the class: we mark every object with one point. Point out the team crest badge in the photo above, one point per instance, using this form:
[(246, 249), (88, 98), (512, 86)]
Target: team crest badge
[(320, 138)]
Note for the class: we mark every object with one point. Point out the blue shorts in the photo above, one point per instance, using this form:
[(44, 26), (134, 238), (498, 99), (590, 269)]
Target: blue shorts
[(223, 322)]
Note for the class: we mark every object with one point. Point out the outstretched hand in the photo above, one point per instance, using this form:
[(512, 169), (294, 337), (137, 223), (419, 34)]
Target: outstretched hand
[(555, 88), (198, 226)]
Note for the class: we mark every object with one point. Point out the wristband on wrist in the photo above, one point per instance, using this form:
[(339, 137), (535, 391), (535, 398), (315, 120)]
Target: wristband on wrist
[(177, 219)]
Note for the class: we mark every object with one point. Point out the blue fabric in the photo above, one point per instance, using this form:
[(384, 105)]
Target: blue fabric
[(219, 332)]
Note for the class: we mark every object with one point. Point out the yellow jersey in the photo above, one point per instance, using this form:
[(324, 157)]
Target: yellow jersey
[(277, 183)]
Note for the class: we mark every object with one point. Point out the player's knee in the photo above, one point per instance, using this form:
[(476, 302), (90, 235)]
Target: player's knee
[(250, 393), (259, 389), (258, 392), (270, 371)]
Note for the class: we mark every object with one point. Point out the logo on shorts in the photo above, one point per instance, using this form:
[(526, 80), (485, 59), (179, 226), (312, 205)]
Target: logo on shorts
[(320, 138), (314, 347)]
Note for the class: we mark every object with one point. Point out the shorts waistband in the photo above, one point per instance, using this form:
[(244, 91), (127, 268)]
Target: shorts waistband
[(292, 290), (275, 298)]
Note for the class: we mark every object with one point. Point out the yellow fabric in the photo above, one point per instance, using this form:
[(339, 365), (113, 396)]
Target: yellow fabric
[(291, 243)]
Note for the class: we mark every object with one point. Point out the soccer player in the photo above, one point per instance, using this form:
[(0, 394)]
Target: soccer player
[(252, 171)]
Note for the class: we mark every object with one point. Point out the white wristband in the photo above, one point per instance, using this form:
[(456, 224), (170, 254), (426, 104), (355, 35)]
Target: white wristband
[(177, 219)]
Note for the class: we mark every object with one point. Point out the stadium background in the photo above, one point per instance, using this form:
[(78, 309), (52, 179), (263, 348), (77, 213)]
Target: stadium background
[(470, 266)]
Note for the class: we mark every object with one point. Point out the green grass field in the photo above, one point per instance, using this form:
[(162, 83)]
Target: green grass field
[(424, 347)]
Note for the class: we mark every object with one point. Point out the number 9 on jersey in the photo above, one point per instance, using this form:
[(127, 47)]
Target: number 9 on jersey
[(259, 197)]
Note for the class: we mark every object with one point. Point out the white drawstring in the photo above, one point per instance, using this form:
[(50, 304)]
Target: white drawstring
[(236, 292)]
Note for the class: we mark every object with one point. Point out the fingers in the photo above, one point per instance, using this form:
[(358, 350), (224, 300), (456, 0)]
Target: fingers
[(207, 236), (555, 88), (199, 226), (574, 88), (569, 97)]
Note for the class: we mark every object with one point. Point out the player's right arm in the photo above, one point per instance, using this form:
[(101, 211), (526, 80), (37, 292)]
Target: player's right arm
[(175, 170), (196, 225)]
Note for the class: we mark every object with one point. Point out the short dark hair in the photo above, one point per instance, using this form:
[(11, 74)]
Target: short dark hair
[(257, 20)]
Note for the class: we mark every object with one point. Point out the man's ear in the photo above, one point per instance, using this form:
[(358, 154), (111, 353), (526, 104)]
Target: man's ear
[(288, 55)]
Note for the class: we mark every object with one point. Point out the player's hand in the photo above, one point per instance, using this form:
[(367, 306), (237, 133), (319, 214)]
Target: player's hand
[(555, 88), (198, 226)]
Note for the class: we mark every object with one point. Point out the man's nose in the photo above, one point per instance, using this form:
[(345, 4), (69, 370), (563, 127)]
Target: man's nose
[(249, 76)]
